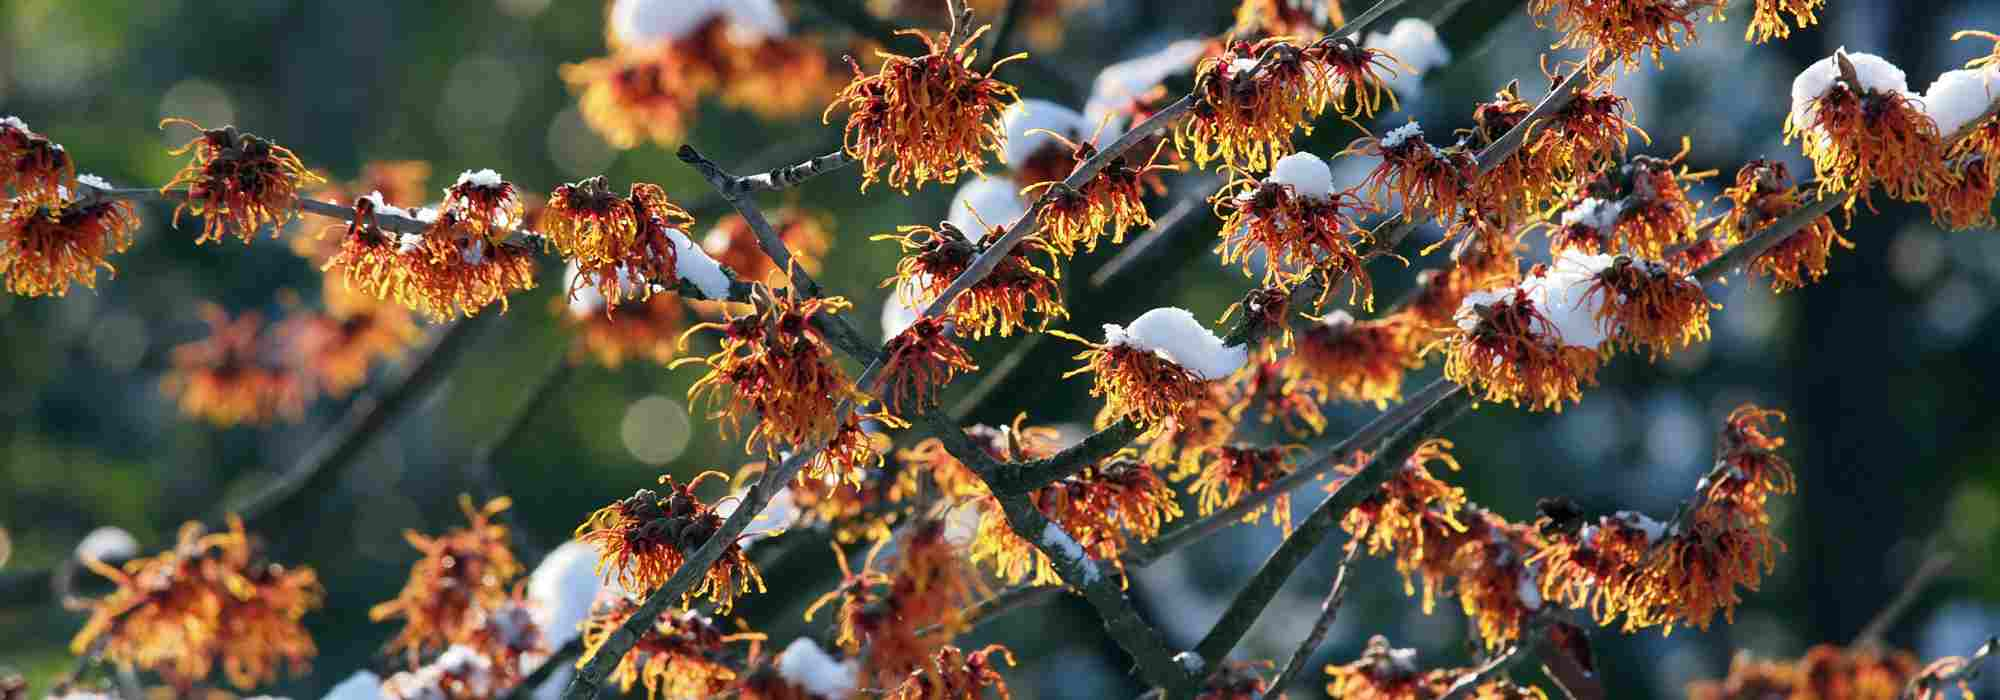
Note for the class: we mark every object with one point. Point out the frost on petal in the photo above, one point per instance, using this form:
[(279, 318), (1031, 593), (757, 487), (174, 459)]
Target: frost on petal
[(107, 544), (695, 267), (362, 685), (1174, 334), (1960, 96), (810, 668), (992, 200), (1026, 122), (562, 587), (1308, 175)]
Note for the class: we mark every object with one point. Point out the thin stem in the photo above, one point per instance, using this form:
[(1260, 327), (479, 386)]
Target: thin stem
[(1250, 602), (315, 471), (1015, 478), (557, 660), (1498, 665), (1328, 610), (1935, 564), (1772, 235), (1003, 30)]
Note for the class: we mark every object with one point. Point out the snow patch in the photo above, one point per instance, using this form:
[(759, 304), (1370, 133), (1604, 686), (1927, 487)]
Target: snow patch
[(1654, 529), (562, 588), (1308, 175), (810, 668), (1874, 72), (1414, 42), (1175, 335), (1119, 84), (362, 685), (1189, 661), (645, 22), (107, 544), (15, 123), (482, 178), (1958, 97), (89, 180), (1398, 135), (694, 266), (1596, 213), (992, 200), (1026, 124)]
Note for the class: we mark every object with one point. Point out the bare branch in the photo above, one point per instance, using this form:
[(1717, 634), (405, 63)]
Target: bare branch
[(1015, 478), (1936, 563), (1328, 610)]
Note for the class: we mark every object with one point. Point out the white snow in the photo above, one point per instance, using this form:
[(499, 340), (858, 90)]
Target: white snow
[(1189, 661), (1398, 135), (1405, 660), (1415, 42), (991, 200), (1596, 213), (425, 214), (810, 668), (461, 664), (1026, 121), (12, 122), (695, 267), (584, 300), (1308, 175), (645, 22), (1337, 319), (1527, 590), (562, 587), (1174, 334), (106, 544), (89, 180), (1960, 96), (1120, 83), (1053, 536), (409, 242), (384, 208), (1241, 65), (1654, 529), (484, 177), (897, 316), (1561, 294), (1874, 72)]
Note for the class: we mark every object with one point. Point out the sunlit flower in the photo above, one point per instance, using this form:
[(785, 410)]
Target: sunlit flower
[(462, 575), (1284, 18), (641, 540), (1648, 304), (776, 369), (1589, 132), (956, 675), (1105, 507), (999, 302), (1428, 180), (1251, 98), (1236, 680), (1357, 73), (237, 181), (1074, 219), (1358, 360), (1623, 30), (449, 270), (1767, 18), (918, 362), (625, 246), (1156, 368), (1764, 193), (1752, 469), (356, 332), (1524, 182), (1412, 516), (210, 600), (1269, 392), (681, 655), (635, 95), (1511, 347), (1496, 585), (932, 115), (230, 377), (1294, 220), (397, 184), (902, 615), (48, 244), (1483, 261), (1385, 673), (734, 245), (648, 329), (1825, 672), (1855, 118), (1231, 472), (32, 165), (1965, 199)]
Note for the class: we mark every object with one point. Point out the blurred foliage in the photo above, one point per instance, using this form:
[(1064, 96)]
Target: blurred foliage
[(1884, 367)]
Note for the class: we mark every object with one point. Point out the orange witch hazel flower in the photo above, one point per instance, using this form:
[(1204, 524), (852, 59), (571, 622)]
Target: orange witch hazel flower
[(634, 95), (230, 377), (1387, 673), (681, 655), (1075, 218), (1856, 119), (210, 600), (918, 362), (956, 675), (642, 539), (1230, 472), (237, 181), (1826, 671), (649, 329), (447, 270), (461, 577), (1427, 179), (924, 118), (1105, 507), (998, 303), (1413, 515), (31, 164), (46, 245), (734, 245), (1763, 193), (623, 245), (1293, 223), (1357, 360), (775, 368), (1767, 18), (1534, 344), (1157, 367), (1622, 30), (1650, 304), (1250, 98), (356, 331)]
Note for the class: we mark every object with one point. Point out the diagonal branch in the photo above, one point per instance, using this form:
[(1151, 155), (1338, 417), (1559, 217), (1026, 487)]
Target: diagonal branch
[(1264, 585), (1017, 478), (1328, 610)]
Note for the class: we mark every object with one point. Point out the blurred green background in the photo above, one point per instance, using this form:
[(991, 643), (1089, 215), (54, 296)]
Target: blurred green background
[(1884, 367)]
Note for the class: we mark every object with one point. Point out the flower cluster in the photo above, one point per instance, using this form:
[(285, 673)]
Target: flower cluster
[(1640, 208), (681, 655), (905, 613), (1105, 507), (1252, 96), (354, 333), (1683, 572), (1856, 119), (1826, 672), (237, 181), (923, 118), (1294, 224), (1534, 344), (775, 369), (623, 246), (1649, 304), (1230, 472), (1428, 180), (1413, 516), (461, 578), (665, 56), (999, 302), (1387, 673), (459, 264), (955, 675), (49, 242), (642, 539), (918, 362), (1157, 368), (1763, 193), (210, 600), (231, 377), (1074, 218), (1357, 360), (733, 244), (1623, 30)]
